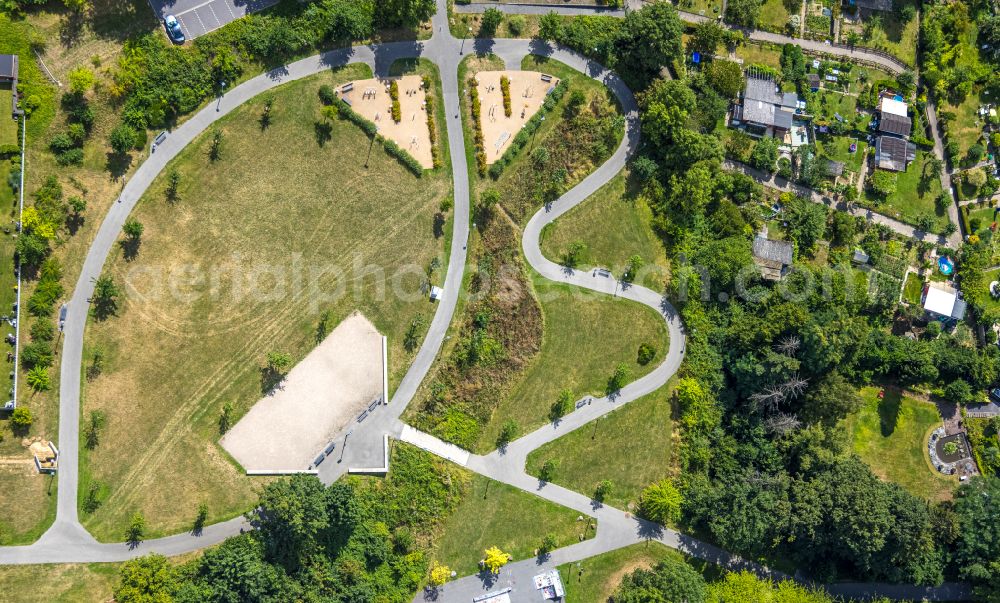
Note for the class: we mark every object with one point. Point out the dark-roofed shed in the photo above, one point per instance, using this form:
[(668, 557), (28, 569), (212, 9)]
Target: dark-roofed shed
[(8, 68), (894, 124)]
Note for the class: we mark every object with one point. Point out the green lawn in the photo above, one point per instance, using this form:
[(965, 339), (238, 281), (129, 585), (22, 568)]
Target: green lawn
[(914, 195), (614, 224), (901, 38), (759, 54), (773, 15), (198, 345), (838, 148), (967, 128), (913, 288), (632, 447), (495, 514), (585, 336), (825, 103), (8, 126), (594, 580), (709, 8), (980, 219), (891, 435)]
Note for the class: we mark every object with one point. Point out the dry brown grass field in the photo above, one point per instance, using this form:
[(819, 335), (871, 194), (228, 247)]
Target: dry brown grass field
[(275, 209)]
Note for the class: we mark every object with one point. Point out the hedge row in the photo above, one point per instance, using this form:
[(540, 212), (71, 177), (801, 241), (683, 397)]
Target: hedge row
[(529, 128), (401, 155), (432, 130), (505, 88), (397, 111), (9, 150), (477, 127), (409, 162)]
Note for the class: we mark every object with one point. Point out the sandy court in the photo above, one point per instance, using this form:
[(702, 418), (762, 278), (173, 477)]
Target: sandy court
[(527, 92), (371, 100), (320, 396)]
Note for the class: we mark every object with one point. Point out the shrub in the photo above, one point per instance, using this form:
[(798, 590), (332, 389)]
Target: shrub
[(516, 24), (548, 471), (20, 419), (326, 94), (38, 379), (507, 433), (123, 138), (42, 330), (562, 406), (646, 354), (432, 130), (397, 111), (36, 353), (477, 126), (505, 89), (620, 377), (70, 157), (402, 156), (603, 490), (661, 502)]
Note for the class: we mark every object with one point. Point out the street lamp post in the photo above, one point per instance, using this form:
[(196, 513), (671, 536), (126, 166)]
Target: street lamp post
[(370, 145), (222, 90)]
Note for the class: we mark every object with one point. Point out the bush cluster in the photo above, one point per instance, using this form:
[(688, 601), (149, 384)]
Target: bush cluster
[(526, 132), (432, 130), (68, 146), (477, 126), (397, 110), (505, 88), (401, 155)]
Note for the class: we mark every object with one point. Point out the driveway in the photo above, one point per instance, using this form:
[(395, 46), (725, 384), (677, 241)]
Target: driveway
[(198, 17)]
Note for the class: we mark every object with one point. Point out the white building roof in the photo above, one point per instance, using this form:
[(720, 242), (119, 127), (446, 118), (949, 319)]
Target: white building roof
[(436, 293), (892, 106), (944, 302)]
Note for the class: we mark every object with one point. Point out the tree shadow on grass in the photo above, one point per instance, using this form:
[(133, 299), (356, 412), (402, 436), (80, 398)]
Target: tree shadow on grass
[(323, 131), (130, 248), (271, 381), (888, 412)]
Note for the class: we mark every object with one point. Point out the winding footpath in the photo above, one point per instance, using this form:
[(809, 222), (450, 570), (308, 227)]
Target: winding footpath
[(68, 541)]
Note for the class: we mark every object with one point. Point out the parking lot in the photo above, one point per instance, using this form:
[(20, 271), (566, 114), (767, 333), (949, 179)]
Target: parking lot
[(198, 17)]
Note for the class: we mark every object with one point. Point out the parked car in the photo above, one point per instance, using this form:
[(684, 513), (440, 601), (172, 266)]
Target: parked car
[(174, 29), (995, 393)]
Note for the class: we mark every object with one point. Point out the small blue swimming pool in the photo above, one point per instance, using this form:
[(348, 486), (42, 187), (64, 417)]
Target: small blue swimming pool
[(898, 97), (945, 266)]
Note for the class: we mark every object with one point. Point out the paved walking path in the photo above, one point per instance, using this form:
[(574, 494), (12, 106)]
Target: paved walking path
[(67, 541)]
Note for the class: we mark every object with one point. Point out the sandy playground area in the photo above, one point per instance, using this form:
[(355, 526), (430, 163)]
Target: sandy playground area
[(371, 100), (527, 92), (319, 397)]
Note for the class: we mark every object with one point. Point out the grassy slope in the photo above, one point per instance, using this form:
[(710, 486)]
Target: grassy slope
[(495, 514), (172, 363), (614, 224), (594, 580), (891, 436), (632, 447), (586, 335)]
